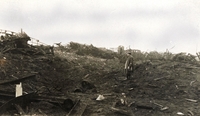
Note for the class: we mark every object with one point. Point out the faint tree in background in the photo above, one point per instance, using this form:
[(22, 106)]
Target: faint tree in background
[(120, 49)]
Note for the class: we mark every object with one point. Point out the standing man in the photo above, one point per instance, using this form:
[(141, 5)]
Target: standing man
[(128, 69)]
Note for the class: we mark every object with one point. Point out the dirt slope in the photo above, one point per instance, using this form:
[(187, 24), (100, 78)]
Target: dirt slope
[(156, 88), (153, 87)]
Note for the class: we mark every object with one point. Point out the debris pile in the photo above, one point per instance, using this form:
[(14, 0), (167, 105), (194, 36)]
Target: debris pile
[(18, 43), (81, 49), (30, 66), (84, 80)]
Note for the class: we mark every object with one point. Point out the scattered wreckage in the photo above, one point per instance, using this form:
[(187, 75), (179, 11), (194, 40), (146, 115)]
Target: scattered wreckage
[(17, 43), (12, 42), (156, 94)]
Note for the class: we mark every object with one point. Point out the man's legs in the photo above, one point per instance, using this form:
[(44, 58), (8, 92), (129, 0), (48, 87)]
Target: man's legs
[(129, 71), (128, 74)]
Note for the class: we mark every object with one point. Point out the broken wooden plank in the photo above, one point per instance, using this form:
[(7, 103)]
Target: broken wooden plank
[(73, 108), (192, 82), (153, 86), (16, 81), (162, 108), (192, 100), (86, 76), (49, 98), (43, 114), (156, 79), (19, 109), (144, 107), (125, 112), (18, 100), (79, 110), (6, 95), (190, 113)]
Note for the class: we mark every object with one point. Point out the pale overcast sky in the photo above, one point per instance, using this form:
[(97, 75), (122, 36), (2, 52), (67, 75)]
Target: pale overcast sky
[(147, 25)]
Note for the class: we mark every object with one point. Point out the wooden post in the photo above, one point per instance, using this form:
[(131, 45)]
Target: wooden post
[(18, 89)]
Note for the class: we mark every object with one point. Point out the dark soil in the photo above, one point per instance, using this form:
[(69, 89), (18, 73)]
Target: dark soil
[(156, 88)]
